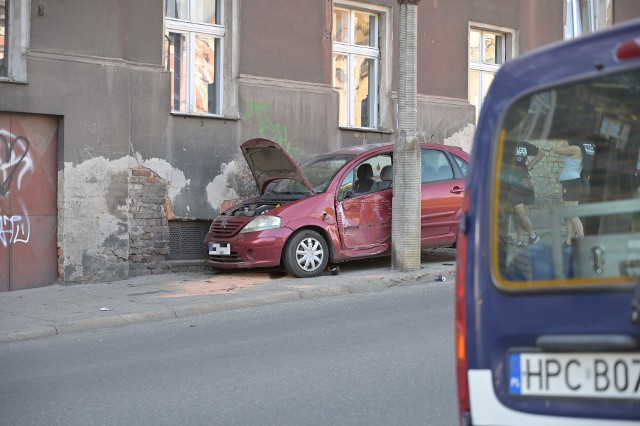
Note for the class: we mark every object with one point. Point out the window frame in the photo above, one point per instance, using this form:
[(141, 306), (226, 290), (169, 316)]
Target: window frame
[(18, 28), (377, 54), (509, 43), (191, 30), (345, 189), (498, 194), (602, 11)]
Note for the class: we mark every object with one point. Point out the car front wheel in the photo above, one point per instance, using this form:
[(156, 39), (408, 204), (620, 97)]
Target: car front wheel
[(306, 254)]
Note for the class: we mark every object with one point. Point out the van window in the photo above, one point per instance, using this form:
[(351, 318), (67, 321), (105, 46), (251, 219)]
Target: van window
[(580, 198)]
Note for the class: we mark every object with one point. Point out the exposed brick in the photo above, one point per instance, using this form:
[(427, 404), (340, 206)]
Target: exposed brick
[(141, 172), (149, 241)]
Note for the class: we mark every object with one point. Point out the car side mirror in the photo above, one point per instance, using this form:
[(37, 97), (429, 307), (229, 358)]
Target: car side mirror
[(348, 194)]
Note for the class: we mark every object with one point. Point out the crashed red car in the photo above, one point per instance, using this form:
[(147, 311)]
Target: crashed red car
[(332, 208)]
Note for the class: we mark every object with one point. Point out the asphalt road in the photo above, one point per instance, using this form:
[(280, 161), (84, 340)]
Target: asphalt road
[(368, 359)]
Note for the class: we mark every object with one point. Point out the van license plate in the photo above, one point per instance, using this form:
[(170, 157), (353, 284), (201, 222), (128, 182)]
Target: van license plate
[(220, 248), (588, 375)]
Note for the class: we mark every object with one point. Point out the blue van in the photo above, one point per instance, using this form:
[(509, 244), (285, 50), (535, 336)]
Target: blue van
[(547, 286)]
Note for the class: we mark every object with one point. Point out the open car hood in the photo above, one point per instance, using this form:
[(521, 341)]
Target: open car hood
[(268, 161)]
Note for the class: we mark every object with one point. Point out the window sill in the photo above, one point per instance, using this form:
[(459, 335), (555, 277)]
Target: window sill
[(11, 80), (366, 130), (207, 116)]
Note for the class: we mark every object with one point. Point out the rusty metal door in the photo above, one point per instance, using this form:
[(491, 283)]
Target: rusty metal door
[(28, 201)]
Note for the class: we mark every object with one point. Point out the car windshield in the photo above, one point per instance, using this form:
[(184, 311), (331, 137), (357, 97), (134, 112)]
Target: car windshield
[(319, 171)]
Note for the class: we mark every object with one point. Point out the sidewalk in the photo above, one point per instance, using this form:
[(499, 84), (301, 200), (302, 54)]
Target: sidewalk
[(62, 309)]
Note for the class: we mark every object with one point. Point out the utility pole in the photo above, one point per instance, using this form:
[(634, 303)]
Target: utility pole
[(405, 225)]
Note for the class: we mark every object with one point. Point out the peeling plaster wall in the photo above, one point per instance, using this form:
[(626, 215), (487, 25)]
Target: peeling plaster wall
[(446, 120), (218, 191), (175, 178), (95, 220), (462, 138)]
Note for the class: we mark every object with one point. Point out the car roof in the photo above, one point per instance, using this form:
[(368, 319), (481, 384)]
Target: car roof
[(362, 149)]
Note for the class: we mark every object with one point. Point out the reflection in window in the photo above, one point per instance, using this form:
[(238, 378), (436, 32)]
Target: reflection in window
[(600, 117), (341, 84), (435, 166), (363, 88), (4, 37), (177, 9), (193, 55), (581, 18), (365, 30), (355, 65)]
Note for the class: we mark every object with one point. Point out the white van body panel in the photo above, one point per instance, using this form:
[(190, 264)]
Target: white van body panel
[(486, 409)]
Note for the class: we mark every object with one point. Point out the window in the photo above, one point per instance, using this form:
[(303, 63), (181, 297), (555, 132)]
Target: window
[(193, 46), (462, 165), (372, 175), (14, 39), (581, 18), (487, 51), (587, 217), (435, 166), (356, 56), (3, 38)]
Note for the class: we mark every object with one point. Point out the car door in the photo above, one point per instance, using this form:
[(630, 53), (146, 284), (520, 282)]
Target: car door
[(442, 195), (364, 218)]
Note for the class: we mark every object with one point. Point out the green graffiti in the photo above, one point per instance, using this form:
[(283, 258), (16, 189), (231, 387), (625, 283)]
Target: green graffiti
[(259, 112)]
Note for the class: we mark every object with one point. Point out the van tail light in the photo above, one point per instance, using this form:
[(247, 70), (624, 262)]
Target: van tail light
[(629, 49), (461, 316)]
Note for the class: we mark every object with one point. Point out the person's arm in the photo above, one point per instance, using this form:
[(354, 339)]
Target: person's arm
[(563, 148), (535, 160)]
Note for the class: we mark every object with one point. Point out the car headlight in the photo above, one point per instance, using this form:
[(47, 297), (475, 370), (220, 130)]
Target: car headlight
[(262, 223)]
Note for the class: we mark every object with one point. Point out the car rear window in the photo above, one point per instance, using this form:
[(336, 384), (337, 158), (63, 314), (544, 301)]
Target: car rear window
[(566, 201)]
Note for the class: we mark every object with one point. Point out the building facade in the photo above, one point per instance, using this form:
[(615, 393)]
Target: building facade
[(120, 120)]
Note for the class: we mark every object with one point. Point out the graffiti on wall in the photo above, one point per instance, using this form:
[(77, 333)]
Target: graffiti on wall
[(15, 163), (14, 229), (259, 112)]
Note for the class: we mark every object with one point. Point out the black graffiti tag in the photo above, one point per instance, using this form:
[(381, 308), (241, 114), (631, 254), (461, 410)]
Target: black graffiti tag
[(10, 160)]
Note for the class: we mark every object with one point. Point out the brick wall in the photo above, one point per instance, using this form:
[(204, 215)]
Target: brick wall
[(149, 227)]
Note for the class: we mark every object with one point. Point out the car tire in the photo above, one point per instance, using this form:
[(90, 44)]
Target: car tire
[(306, 254)]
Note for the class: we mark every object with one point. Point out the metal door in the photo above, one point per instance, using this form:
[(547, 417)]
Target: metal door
[(28, 201)]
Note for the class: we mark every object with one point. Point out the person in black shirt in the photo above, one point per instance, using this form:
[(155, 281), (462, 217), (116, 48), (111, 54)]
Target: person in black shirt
[(522, 193)]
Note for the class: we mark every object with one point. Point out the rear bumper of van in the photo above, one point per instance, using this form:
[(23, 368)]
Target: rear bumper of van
[(487, 410)]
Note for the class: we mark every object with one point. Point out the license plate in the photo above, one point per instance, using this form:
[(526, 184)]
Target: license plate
[(587, 375), (220, 248)]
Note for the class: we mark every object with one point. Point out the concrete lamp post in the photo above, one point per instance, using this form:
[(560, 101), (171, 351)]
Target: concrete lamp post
[(405, 225)]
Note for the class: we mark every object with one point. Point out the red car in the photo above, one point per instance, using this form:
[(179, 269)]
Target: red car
[(332, 208)]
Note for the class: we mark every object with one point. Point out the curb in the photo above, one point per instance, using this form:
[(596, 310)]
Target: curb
[(165, 313)]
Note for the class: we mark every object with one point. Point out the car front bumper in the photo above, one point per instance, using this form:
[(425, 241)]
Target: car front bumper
[(248, 250)]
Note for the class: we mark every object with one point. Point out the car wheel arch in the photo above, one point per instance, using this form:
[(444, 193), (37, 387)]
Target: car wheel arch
[(323, 233)]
